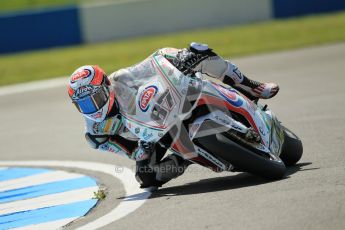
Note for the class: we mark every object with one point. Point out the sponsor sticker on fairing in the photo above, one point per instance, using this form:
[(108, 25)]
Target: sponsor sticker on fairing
[(145, 97), (230, 95), (137, 130), (146, 135), (211, 158)]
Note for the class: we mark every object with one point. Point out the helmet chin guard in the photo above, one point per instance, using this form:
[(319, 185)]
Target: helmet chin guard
[(99, 115)]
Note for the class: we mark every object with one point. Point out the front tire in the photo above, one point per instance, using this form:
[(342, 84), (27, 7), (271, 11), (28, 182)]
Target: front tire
[(292, 148), (242, 158)]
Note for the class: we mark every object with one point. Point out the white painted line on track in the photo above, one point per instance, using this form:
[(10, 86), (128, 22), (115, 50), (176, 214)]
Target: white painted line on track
[(135, 197), (48, 200), (46, 226), (37, 179), (33, 86), (109, 3)]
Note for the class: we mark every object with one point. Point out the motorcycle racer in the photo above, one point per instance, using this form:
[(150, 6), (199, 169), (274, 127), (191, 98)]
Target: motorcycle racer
[(94, 95)]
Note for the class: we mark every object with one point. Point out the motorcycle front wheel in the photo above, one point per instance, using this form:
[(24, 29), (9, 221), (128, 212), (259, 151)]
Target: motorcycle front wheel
[(292, 148), (242, 158)]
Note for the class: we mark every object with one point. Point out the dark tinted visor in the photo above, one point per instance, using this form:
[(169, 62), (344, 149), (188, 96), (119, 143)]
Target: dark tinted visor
[(92, 103)]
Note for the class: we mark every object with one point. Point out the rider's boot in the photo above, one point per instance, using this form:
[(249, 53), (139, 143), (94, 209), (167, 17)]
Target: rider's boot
[(170, 167), (201, 58), (229, 74), (151, 177), (252, 89)]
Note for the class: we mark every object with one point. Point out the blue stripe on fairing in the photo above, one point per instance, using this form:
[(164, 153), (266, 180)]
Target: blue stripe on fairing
[(14, 173), (46, 189), (42, 215)]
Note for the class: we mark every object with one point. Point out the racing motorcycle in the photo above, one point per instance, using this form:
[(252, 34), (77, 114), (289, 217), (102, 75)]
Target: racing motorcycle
[(204, 122)]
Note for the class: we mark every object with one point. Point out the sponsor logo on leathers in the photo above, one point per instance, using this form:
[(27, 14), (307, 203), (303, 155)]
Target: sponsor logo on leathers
[(146, 96)]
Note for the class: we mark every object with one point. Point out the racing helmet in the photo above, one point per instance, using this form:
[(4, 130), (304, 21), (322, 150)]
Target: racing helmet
[(90, 91)]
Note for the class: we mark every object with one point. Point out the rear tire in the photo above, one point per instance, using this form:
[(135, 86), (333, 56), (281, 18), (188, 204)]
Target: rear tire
[(292, 148)]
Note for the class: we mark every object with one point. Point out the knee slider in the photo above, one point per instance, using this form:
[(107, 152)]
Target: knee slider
[(145, 175), (170, 167)]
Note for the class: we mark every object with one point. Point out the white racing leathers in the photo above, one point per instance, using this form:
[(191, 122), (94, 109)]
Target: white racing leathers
[(112, 136)]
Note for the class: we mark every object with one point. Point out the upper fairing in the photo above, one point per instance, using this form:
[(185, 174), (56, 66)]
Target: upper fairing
[(236, 102), (264, 122)]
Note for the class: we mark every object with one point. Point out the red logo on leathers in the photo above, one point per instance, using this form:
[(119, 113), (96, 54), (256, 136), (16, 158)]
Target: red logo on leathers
[(81, 74), (146, 97)]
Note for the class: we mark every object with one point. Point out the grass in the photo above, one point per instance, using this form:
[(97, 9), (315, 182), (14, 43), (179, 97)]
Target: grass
[(99, 195), (12, 5), (228, 42), (15, 5)]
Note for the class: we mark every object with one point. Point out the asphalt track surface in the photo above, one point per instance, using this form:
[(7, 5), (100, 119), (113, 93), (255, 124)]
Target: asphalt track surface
[(43, 125)]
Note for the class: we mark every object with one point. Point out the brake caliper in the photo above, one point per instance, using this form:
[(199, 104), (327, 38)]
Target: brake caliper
[(252, 136)]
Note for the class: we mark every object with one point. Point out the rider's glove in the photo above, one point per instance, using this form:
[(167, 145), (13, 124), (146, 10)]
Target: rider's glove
[(184, 60), (145, 151), (187, 59)]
